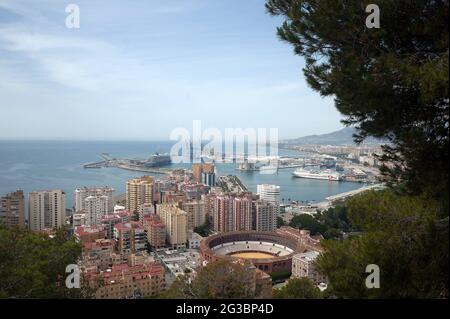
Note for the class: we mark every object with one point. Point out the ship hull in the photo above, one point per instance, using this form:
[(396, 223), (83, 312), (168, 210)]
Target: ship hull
[(330, 178)]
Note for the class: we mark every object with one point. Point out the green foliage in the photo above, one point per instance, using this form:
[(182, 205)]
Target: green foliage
[(218, 280), (336, 222), (33, 265), (280, 222), (305, 221), (280, 276), (298, 288), (390, 82), (405, 236), (331, 223)]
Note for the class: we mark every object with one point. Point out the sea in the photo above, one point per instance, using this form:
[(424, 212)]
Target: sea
[(44, 165)]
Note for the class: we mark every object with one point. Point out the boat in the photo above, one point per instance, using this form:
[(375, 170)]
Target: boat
[(158, 160), (317, 174), (268, 169)]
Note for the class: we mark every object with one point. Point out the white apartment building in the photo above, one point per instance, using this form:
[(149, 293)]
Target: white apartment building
[(82, 193), (304, 266), (78, 220), (269, 193), (95, 208)]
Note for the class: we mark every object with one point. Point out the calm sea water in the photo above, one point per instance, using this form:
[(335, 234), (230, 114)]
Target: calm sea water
[(39, 165)]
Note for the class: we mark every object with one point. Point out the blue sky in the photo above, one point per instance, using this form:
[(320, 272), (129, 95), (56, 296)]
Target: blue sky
[(137, 69)]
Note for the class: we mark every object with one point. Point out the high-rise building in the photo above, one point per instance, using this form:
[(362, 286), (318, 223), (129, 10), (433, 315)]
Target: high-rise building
[(156, 231), (82, 193), (139, 191), (130, 238), (269, 193), (78, 220), (109, 221), (223, 214), (265, 216), (47, 209), (146, 210), (199, 168), (242, 213), (12, 209), (175, 221), (175, 198), (232, 213), (209, 179), (196, 213), (95, 208)]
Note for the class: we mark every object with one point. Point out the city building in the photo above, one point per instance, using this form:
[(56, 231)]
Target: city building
[(156, 231), (209, 179), (269, 193), (87, 234), (194, 191), (232, 213), (242, 213), (78, 220), (82, 193), (98, 253), (139, 191), (175, 221), (173, 197), (265, 216), (223, 214), (203, 172), (194, 240), (46, 209), (125, 281), (196, 213), (304, 266), (109, 221), (303, 236), (130, 238), (95, 207), (146, 210), (180, 262), (12, 209)]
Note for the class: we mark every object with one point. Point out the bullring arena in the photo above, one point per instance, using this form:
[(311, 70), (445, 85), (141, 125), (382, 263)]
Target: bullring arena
[(269, 251)]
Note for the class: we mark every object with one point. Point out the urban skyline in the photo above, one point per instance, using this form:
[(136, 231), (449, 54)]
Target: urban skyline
[(224, 150)]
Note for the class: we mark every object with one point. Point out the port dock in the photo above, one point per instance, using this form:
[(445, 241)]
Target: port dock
[(127, 164)]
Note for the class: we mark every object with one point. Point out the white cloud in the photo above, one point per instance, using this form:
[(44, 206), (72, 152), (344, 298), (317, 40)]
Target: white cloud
[(27, 41)]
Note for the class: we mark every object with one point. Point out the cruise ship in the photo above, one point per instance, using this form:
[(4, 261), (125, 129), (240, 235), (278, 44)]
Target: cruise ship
[(158, 160), (315, 174)]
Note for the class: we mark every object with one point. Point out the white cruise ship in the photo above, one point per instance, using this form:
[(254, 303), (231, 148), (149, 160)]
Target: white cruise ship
[(323, 175)]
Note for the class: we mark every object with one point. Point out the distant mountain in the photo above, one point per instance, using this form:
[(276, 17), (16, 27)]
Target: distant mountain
[(341, 137)]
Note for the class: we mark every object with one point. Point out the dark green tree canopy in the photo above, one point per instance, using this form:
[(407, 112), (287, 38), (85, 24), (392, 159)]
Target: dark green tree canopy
[(390, 82), (298, 288), (33, 265)]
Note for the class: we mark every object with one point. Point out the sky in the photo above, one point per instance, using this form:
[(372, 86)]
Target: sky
[(138, 69)]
